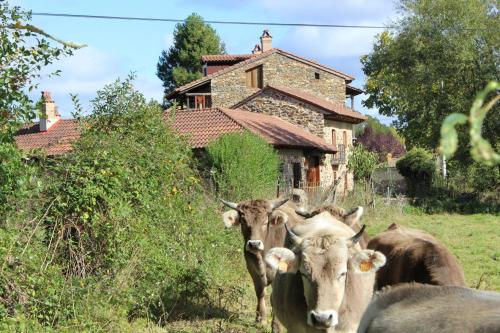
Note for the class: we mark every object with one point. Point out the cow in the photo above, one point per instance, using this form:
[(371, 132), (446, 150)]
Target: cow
[(423, 308), (350, 217), (325, 281), (415, 256), (262, 227)]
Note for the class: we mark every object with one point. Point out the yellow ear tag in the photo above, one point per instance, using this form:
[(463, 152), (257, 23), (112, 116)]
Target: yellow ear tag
[(365, 266), (282, 266)]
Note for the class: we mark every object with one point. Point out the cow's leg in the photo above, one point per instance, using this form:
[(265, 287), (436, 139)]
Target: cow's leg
[(276, 325), (260, 292)]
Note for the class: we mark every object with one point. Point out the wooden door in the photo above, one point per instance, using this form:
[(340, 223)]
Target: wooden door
[(312, 175)]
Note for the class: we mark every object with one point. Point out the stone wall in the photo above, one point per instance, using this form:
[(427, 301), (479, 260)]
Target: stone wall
[(230, 88), (338, 170), (288, 157), (271, 102)]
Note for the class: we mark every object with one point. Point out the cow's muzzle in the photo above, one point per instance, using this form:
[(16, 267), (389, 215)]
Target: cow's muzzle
[(255, 245), (322, 319)]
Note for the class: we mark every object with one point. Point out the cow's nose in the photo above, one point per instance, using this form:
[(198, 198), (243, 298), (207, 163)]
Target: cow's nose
[(323, 318), (255, 245)]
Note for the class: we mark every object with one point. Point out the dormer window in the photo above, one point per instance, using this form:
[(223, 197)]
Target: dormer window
[(254, 77), (316, 75)]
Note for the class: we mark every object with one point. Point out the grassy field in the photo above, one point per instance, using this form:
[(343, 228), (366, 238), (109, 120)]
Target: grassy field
[(474, 239)]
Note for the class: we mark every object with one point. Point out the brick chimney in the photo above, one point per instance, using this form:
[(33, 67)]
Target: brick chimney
[(266, 41), (49, 115)]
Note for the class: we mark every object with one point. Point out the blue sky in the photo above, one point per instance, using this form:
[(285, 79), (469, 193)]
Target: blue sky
[(117, 47)]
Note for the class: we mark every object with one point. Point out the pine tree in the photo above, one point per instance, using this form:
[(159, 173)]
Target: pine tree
[(181, 63)]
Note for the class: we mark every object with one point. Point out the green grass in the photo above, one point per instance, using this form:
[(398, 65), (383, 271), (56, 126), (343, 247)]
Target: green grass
[(474, 239)]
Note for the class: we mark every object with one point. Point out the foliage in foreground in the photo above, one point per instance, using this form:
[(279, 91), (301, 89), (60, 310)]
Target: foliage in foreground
[(244, 166), (120, 230), (24, 51)]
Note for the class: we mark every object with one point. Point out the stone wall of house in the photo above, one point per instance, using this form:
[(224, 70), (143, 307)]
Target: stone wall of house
[(337, 170), (288, 157), (230, 88), (271, 102)]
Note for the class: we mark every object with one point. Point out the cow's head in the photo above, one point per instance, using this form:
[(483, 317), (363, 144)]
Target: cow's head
[(349, 217), (255, 218), (323, 261)]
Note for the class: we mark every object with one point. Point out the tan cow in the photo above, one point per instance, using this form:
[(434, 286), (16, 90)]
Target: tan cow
[(432, 309), (262, 227), (326, 280), (415, 256), (349, 217)]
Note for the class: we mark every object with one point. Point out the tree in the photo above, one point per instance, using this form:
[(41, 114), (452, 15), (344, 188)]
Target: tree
[(362, 163), (25, 50), (181, 64), (418, 168), (380, 139), (432, 64)]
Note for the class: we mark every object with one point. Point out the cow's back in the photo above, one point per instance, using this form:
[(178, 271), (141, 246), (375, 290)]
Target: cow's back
[(429, 309), (415, 256)]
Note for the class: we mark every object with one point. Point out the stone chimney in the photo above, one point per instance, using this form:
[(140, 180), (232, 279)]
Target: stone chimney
[(266, 41), (49, 115), (257, 49)]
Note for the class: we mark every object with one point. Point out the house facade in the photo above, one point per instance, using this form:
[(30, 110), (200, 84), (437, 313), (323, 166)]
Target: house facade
[(308, 95)]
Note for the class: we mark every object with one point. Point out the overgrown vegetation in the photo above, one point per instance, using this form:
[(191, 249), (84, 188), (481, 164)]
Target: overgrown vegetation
[(362, 163), (244, 166), (380, 139), (418, 167), (116, 231)]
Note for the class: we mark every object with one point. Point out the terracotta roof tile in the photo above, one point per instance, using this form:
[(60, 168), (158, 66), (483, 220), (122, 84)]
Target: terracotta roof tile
[(330, 107), (253, 59), (226, 57), (57, 140), (204, 126)]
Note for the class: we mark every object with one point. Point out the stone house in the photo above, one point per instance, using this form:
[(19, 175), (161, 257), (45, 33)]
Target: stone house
[(277, 83)]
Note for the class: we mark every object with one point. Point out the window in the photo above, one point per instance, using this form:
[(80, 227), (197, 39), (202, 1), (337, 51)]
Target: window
[(334, 138), (254, 77), (345, 138), (316, 75)]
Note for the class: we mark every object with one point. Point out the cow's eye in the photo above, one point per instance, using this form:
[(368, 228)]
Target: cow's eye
[(341, 275)]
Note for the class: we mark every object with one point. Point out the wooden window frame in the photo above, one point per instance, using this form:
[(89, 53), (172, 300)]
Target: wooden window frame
[(254, 77)]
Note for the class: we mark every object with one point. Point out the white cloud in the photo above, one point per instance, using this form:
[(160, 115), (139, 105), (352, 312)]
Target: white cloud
[(327, 43)]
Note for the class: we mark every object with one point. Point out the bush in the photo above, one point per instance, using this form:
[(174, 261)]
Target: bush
[(483, 178), (362, 163), (244, 166), (418, 167), (117, 232)]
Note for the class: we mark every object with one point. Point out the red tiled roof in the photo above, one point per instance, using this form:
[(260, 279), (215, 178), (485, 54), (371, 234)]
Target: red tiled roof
[(204, 126), (226, 57), (330, 107), (353, 90), (253, 59), (57, 140)]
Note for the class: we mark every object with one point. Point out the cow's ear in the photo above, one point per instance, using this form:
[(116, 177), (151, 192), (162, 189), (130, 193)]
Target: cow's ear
[(353, 216), (230, 218), (278, 218), (367, 261), (281, 259)]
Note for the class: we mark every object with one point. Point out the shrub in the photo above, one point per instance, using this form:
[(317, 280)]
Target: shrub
[(244, 166), (119, 229), (362, 163), (418, 167), (483, 178), (381, 143)]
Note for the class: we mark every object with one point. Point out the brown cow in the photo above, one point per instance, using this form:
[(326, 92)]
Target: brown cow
[(349, 217), (326, 280), (415, 256), (262, 226), (432, 309)]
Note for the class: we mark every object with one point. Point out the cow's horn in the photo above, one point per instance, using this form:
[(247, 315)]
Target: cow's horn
[(354, 239), (302, 213), (295, 239), (229, 204), (278, 204)]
